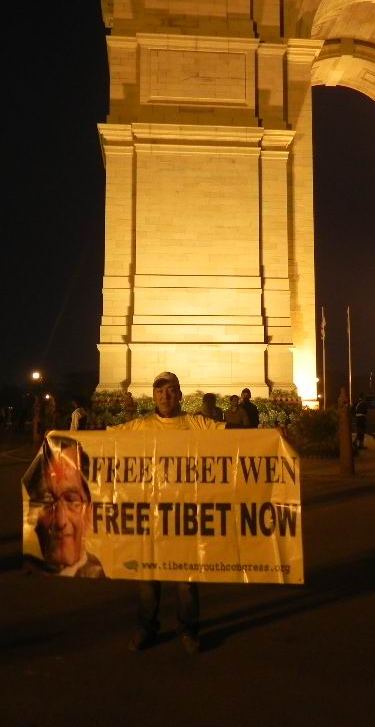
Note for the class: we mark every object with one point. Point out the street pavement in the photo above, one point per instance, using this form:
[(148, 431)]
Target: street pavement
[(277, 656), (321, 478)]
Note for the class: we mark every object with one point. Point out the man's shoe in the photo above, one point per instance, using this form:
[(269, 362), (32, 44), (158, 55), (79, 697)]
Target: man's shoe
[(191, 643), (141, 639)]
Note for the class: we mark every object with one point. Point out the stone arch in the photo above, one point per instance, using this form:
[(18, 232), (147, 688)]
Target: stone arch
[(345, 19), (347, 58)]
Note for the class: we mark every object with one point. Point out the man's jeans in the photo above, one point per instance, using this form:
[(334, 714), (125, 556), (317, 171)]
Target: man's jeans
[(187, 606)]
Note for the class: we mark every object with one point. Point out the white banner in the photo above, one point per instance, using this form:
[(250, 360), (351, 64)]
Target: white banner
[(194, 506)]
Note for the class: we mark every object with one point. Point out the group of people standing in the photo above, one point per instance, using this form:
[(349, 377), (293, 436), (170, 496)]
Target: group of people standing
[(242, 412)]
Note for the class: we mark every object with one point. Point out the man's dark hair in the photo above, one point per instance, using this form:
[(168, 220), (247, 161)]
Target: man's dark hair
[(79, 400), (209, 398)]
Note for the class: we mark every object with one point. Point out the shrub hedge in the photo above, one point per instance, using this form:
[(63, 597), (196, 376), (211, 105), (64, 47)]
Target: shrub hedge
[(311, 432)]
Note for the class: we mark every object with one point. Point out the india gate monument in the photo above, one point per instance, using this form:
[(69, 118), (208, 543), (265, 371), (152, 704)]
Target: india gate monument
[(209, 242)]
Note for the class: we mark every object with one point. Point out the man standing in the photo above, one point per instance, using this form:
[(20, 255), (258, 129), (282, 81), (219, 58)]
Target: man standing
[(250, 408), (235, 416), (168, 416), (361, 420), (210, 409), (79, 415)]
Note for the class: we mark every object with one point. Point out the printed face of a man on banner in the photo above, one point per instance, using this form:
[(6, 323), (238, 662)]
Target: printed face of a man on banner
[(65, 510)]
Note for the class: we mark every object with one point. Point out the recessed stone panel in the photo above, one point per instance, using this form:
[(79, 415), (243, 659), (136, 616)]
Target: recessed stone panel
[(218, 367), (183, 70), (184, 301), (189, 77), (202, 215), (199, 333)]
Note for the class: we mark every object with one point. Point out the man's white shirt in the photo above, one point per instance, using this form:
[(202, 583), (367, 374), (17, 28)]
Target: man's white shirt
[(181, 421)]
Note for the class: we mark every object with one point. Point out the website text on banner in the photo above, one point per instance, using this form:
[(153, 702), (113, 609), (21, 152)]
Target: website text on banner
[(194, 506)]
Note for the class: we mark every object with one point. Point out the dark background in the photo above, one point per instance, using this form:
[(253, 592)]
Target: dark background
[(55, 92), (344, 200)]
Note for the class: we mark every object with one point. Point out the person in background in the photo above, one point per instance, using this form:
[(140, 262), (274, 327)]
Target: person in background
[(168, 416), (210, 409), (235, 416), (79, 415), (130, 407), (250, 408), (361, 410), (49, 418)]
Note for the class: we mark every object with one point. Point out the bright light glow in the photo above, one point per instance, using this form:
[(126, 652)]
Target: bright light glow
[(36, 375), (47, 396), (311, 403), (304, 376)]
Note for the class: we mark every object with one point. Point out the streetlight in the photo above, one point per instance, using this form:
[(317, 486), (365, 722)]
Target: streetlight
[(36, 378), (49, 412)]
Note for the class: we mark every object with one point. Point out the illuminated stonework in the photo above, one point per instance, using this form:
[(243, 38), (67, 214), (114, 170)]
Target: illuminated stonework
[(209, 260)]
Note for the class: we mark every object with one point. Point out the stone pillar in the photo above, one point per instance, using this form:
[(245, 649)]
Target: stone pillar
[(300, 56), (117, 145), (197, 292), (271, 86), (274, 256)]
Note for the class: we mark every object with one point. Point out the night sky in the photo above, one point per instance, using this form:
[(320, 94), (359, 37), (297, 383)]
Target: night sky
[(344, 202), (55, 93)]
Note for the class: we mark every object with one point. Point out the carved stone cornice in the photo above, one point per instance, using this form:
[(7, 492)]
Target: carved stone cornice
[(277, 140), (115, 134), (196, 42), (170, 133), (272, 49), (345, 47), (190, 149), (122, 41), (115, 139), (121, 138), (303, 50)]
